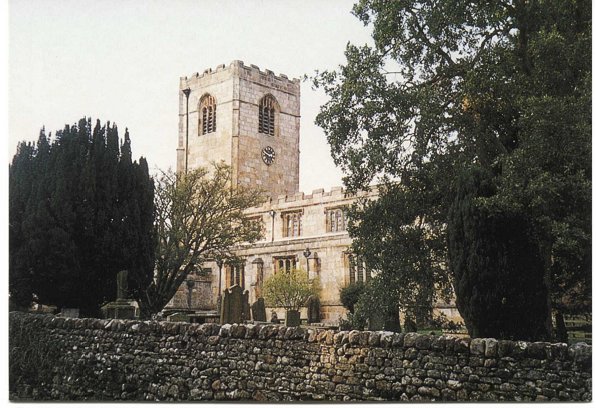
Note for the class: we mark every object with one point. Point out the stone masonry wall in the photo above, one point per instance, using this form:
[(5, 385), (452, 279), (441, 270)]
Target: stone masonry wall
[(88, 359)]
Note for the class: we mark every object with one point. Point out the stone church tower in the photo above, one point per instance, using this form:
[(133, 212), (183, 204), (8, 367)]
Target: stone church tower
[(246, 117)]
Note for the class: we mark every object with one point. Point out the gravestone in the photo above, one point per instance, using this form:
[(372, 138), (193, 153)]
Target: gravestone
[(258, 310), (292, 318), (235, 307), (314, 310), (122, 307), (122, 285), (274, 318)]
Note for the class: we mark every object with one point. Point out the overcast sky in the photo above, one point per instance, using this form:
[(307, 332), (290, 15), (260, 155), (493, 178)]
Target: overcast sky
[(122, 60)]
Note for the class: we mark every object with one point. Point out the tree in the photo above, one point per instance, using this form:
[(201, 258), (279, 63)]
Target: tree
[(448, 85), (398, 236), (71, 215), (22, 168), (289, 290), (198, 217), (349, 295), (495, 259)]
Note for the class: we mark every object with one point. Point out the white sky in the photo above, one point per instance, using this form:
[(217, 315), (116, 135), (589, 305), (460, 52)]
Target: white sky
[(121, 61)]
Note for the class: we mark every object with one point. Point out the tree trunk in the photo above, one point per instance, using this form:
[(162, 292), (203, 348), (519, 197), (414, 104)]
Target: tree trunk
[(561, 330), (548, 283)]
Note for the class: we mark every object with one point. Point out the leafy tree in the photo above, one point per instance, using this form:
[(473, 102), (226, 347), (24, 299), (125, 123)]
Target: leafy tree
[(377, 305), (289, 290), (396, 237), (198, 216), (447, 85), (70, 219)]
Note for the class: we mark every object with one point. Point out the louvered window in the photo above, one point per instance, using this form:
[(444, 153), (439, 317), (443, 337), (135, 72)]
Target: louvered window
[(267, 115), (208, 114)]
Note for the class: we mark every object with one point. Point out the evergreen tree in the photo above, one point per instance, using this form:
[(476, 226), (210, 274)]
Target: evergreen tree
[(81, 211), (499, 283), (21, 169)]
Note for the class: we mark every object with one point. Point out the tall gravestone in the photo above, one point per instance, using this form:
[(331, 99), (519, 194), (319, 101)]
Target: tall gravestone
[(313, 310), (121, 308), (234, 307), (258, 310)]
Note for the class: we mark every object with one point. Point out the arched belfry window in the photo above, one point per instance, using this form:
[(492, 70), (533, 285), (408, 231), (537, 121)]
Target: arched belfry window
[(207, 114), (267, 112)]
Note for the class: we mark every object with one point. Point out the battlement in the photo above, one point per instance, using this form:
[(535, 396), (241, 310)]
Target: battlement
[(317, 196), (248, 69)]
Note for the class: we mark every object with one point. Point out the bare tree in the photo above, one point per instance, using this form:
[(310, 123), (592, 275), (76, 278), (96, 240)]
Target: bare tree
[(198, 216)]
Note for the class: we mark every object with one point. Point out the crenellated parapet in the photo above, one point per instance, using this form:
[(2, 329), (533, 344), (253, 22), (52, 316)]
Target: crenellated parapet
[(336, 195), (252, 71)]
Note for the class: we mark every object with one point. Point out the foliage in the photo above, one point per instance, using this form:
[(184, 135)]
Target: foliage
[(349, 295), (376, 305), (397, 238), (80, 210), (198, 216), (441, 322), (504, 85), (495, 260), (290, 290)]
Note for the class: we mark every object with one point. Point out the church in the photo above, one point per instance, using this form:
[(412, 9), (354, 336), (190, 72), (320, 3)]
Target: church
[(250, 119)]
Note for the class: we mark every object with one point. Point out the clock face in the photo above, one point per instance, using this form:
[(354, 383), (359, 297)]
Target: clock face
[(268, 155)]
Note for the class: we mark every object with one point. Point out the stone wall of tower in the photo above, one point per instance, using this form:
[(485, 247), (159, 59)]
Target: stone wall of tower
[(238, 89), (216, 146), (281, 177)]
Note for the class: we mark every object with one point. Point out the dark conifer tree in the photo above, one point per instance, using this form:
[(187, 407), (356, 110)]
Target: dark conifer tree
[(498, 275), (21, 177), (80, 211)]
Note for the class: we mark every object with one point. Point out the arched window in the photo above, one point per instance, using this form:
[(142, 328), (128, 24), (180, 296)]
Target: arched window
[(336, 220), (207, 114), (267, 108)]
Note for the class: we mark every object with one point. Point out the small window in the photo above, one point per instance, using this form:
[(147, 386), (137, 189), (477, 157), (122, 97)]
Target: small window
[(284, 264), (336, 220), (267, 108), (358, 271), (207, 114), (235, 275), (292, 224)]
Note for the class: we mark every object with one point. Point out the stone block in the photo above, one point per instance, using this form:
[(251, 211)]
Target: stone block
[(477, 347)]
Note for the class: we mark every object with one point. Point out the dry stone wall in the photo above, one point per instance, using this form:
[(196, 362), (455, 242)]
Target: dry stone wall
[(54, 358)]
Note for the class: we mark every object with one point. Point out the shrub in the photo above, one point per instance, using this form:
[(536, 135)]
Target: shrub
[(289, 290), (350, 294)]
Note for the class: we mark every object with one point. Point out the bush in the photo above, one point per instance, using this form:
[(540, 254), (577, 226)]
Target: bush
[(350, 294), (352, 322), (289, 290)]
